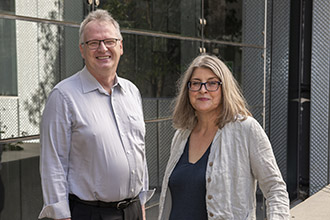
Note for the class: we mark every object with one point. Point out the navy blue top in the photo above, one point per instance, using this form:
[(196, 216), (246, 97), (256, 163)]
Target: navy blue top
[(188, 188)]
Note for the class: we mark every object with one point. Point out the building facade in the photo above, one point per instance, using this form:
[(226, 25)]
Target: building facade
[(278, 51)]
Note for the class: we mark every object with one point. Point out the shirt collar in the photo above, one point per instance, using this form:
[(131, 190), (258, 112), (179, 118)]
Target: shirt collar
[(89, 83)]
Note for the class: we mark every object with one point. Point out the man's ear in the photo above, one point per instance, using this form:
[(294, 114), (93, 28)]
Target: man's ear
[(81, 48)]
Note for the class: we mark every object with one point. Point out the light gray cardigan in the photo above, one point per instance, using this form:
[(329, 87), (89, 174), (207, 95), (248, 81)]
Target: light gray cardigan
[(240, 156)]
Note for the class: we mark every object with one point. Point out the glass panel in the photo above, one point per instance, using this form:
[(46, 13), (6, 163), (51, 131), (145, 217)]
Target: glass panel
[(7, 6), (46, 54), (60, 10), (171, 16), (155, 64), (8, 70), (231, 55), (223, 20)]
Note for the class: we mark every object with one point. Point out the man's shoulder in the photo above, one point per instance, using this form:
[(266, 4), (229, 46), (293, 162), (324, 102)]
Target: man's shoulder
[(68, 83)]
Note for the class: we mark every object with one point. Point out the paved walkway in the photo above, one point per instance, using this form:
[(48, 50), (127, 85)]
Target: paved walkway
[(316, 207)]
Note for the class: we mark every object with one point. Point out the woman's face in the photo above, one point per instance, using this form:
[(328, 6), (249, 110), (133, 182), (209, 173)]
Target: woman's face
[(204, 101)]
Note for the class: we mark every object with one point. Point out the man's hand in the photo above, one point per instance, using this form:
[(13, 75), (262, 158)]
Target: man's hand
[(143, 213)]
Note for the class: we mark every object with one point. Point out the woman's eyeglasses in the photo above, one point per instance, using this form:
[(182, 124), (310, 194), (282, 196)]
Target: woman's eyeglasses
[(210, 86)]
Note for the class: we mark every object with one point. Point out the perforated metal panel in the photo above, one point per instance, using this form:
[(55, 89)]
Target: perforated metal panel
[(28, 75), (252, 80), (151, 142), (278, 48), (277, 51), (319, 141), (8, 117), (158, 137), (252, 60), (253, 22)]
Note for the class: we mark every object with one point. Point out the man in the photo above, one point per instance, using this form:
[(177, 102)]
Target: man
[(92, 161)]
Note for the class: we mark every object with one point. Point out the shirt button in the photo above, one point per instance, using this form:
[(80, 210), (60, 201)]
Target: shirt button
[(133, 171), (132, 190), (211, 164), (128, 152), (209, 179), (209, 196), (211, 214)]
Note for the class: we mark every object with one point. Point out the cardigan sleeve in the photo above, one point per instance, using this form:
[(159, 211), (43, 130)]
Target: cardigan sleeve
[(267, 173)]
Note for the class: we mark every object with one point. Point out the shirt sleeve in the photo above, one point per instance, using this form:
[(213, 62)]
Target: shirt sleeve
[(55, 138), (146, 194), (266, 171)]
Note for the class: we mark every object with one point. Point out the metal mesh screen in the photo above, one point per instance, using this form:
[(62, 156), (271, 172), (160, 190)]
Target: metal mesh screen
[(252, 80), (166, 133), (252, 60), (165, 108), (276, 71), (152, 149), (28, 74), (73, 10), (279, 72), (150, 108), (253, 22), (319, 141), (8, 112), (158, 137)]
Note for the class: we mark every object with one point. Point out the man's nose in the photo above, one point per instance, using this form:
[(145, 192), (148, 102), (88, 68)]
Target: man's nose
[(102, 46)]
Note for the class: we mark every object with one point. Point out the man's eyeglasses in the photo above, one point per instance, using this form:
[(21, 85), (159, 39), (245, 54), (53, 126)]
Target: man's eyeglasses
[(94, 44), (210, 86)]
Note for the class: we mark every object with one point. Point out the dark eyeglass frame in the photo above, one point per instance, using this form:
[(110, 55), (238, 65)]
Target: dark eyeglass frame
[(205, 85), (110, 39)]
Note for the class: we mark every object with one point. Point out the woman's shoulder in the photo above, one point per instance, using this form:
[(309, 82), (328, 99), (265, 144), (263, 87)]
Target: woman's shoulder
[(181, 133), (244, 123)]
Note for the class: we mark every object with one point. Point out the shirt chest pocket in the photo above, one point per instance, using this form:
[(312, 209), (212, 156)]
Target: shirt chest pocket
[(136, 128)]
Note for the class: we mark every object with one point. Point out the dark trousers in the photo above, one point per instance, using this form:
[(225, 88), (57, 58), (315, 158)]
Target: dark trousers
[(81, 211)]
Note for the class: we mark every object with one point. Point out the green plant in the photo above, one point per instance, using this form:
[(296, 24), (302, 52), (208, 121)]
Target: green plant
[(13, 147)]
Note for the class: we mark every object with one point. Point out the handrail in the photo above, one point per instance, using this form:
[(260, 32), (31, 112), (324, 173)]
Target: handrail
[(18, 139), (157, 120), (131, 31), (37, 136)]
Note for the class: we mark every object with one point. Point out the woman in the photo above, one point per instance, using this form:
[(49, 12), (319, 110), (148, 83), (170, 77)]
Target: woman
[(218, 152)]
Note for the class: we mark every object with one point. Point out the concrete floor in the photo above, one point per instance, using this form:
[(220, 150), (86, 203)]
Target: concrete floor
[(316, 207)]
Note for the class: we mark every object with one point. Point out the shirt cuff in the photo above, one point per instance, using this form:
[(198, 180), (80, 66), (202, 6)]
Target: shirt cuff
[(145, 196), (58, 210)]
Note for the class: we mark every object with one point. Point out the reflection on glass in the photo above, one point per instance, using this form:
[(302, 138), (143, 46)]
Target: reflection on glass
[(7, 5), (8, 69), (231, 55), (155, 64), (169, 16), (223, 20)]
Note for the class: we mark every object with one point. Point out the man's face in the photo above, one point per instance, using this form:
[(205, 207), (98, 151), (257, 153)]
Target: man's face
[(102, 61)]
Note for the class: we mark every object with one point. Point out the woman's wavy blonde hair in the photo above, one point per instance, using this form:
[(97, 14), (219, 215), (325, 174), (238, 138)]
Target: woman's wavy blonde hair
[(232, 104)]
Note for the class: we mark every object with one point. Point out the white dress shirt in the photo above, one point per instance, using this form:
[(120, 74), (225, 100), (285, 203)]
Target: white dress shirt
[(92, 144), (240, 156)]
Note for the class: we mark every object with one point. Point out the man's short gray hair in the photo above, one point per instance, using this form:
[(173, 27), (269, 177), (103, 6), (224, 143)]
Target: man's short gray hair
[(99, 15)]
